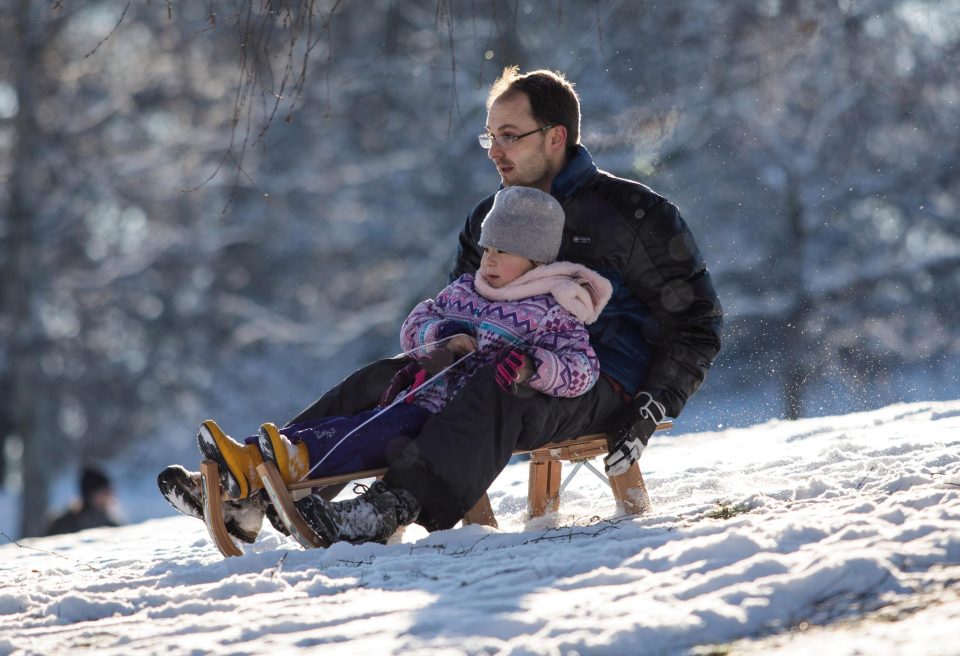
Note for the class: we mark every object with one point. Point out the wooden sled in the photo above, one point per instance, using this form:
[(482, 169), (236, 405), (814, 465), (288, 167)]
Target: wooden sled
[(543, 490)]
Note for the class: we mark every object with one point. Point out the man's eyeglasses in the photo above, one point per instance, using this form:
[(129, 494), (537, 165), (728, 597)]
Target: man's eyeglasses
[(506, 140)]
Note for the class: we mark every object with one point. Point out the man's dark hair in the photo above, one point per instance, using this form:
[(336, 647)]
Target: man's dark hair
[(552, 98)]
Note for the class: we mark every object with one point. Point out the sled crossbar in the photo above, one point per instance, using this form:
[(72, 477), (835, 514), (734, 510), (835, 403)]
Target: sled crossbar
[(543, 489)]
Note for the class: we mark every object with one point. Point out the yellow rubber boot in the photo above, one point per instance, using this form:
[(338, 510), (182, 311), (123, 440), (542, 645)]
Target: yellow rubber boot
[(291, 459), (237, 462)]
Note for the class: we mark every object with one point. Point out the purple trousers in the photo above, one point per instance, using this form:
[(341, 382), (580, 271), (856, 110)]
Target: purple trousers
[(377, 444)]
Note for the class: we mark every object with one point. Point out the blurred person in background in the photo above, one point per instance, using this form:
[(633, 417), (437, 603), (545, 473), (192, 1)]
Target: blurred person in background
[(95, 508)]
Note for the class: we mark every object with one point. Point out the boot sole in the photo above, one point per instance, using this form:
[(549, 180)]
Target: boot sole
[(273, 449), (181, 489), (317, 513), (270, 444), (212, 442)]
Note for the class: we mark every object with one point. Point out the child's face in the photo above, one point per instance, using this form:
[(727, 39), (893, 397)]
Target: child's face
[(499, 268)]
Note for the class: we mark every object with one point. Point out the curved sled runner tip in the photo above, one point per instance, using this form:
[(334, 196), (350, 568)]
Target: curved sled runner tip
[(213, 510), (283, 503)]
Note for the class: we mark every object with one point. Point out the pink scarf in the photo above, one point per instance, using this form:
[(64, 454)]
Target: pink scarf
[(579, 290)]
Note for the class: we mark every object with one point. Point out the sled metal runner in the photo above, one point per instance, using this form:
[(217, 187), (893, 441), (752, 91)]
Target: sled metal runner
[(543, 493)]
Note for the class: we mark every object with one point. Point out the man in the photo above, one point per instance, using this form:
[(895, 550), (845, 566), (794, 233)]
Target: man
[(656, 339), (95, 508)]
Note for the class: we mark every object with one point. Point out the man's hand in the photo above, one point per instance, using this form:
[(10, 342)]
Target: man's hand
[(631, 431), (513, 367)]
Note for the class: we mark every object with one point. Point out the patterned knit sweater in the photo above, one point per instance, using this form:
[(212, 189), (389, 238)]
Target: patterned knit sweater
[(565, 364)]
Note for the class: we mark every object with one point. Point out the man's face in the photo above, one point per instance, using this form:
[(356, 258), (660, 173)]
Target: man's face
[(525, 162)]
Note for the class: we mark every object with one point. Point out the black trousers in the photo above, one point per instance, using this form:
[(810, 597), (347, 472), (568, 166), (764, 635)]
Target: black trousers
[(460, 451)]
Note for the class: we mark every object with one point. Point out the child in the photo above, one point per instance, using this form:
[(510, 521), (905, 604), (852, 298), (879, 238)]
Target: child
[(522, 312)]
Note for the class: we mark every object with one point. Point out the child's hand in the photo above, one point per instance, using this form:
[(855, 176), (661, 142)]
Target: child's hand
[(461, 344), (513, 368)]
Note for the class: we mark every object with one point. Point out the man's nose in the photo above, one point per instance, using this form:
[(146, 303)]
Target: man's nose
[(495, 151)]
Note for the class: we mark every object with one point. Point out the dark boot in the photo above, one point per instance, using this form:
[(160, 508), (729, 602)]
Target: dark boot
[(181, 488), (372, 517), (275, 520)]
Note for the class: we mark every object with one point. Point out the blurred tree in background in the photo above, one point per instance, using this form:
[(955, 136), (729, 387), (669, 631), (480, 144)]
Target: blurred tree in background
[(104, 256), (221, 208)]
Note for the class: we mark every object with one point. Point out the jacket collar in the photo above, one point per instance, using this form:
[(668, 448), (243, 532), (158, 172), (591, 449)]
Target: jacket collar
[(574, 175), (577, 172)]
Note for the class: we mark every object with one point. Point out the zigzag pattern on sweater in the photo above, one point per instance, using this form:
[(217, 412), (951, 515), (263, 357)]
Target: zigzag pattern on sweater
[(463, 307), (518, 320)]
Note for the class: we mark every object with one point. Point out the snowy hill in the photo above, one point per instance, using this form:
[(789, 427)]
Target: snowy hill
[(838, 534)]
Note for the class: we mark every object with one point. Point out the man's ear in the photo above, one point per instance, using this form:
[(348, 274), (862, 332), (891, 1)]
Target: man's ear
[(558, 137)]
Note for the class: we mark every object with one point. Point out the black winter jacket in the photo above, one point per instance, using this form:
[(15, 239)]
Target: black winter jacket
[(660, 332)]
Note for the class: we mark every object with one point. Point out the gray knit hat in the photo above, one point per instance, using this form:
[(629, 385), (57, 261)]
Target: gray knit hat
[(524, 221)]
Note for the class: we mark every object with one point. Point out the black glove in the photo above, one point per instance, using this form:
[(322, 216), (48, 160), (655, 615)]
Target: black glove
[(632, 429)]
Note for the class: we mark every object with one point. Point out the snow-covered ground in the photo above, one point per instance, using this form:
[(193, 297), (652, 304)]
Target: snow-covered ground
[(836, 535)]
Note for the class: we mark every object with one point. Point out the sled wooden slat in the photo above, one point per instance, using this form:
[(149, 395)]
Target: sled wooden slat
[(213, 510), (324, 481), (543, 485), (630, 491)]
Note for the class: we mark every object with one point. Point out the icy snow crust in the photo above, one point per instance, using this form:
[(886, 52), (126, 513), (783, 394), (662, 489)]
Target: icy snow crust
[(837, 534)]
